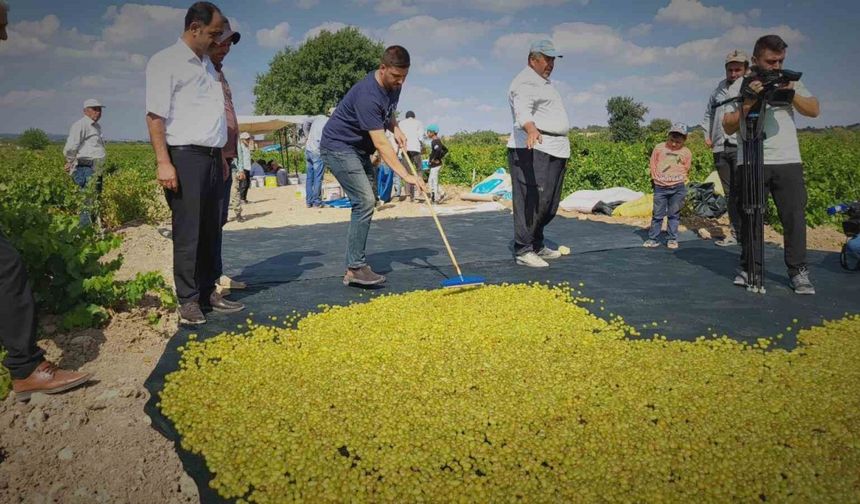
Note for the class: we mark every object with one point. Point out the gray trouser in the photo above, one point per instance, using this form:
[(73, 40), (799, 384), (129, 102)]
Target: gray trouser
[(726, 163)]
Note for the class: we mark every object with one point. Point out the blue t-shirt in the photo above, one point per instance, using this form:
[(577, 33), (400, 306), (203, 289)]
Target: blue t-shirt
[(365, 108)]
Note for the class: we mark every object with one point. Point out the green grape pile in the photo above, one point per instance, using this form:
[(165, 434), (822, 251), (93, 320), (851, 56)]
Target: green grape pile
[(515, 392)]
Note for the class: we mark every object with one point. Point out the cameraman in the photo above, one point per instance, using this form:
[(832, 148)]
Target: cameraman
[(783, 168)]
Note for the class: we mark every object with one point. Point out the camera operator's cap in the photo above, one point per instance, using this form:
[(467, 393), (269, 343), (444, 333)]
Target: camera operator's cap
[(245, 135), (93, 103), (679, 128), (545, 47), (433, 128), (737, 56), (229, 34)]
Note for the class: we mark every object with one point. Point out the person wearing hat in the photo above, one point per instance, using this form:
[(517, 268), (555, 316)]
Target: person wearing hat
[(315, 167), (24, 359), (724, 146), (538, 150), (230, 196), (670, 167), (85, 153), (437, 152), (243, 167), (185, 115), (782, 164)]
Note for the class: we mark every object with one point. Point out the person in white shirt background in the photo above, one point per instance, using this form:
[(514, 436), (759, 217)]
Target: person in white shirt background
[(187, 128), (315, 167), (85, 154), (723, 146), (414, 131), (538, 150)]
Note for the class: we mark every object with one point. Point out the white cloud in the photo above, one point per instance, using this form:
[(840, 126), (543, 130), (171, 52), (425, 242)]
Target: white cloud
[(454, 114), (444, 65), (142, 28), (307, 4), (515, 46), (640, 30), (604, 45), (20, 98), (329, 26), (411, 7), (274, 38), (693, 12), (421, 33)]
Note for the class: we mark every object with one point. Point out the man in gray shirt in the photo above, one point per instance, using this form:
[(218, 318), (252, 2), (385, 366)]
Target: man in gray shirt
[(783, 167), (725, 146), (85, 152)]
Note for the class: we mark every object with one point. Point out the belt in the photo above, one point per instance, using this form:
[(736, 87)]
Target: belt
[(85, 164), (208, 151), (729, 144), (547, 133)]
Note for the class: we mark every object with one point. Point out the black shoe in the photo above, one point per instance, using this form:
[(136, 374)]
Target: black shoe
[(191, 314), (222, 305)]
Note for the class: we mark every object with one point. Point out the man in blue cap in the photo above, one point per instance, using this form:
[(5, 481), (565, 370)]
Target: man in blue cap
[(538, 151)]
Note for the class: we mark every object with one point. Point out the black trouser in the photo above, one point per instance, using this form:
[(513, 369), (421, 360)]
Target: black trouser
[(196, 217), (415, 157), (244, 185), (726, 163), (785, 182), (536, 178), (17, 315)]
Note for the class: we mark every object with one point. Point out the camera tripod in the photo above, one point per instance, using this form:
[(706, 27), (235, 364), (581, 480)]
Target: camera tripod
[(753, 197)]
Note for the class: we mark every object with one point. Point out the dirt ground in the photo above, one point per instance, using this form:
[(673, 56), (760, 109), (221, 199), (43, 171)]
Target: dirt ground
[(95, 444)]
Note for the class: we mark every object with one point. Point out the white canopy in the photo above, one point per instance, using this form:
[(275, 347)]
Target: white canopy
[(256, 125)]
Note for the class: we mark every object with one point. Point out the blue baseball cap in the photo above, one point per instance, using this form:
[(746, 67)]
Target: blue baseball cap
[(434, 128), (545, 47)]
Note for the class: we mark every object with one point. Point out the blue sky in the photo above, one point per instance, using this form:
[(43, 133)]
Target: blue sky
[(665, 53)]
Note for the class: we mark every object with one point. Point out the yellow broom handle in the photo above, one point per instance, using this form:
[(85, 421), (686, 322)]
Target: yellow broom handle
[(435, 219)]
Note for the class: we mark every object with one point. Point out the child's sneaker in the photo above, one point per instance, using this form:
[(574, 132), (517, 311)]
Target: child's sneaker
[(651, 244), (672, 244)]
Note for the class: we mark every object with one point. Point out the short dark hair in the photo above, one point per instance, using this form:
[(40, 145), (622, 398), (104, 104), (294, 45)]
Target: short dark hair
[(410, 114), (396, 56), (771, 42), (202, 12)]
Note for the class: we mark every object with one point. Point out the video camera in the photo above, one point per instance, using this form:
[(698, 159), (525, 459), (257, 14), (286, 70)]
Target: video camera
[(773, 82)]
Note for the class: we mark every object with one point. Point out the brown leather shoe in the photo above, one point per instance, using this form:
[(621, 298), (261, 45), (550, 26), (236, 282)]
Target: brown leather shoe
[(362, 276), (48, 379), (219, 304)]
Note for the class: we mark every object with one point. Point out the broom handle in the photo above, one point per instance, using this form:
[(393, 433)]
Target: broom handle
[(435, 219)]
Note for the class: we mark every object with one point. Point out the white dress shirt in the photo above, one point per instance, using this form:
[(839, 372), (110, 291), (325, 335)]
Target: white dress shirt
[(186, 92), (85, 141), (414, 131), (713, 122), (535, 99), (315, 134)]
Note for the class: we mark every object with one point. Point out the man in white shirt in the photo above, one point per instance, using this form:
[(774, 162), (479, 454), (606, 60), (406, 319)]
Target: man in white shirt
[(723, 146), (414, 131), (188, 127), (538, 150), (783, 168), (85, 153), (315, 167)]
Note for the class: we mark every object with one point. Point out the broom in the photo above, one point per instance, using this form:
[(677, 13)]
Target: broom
[(459, 280)]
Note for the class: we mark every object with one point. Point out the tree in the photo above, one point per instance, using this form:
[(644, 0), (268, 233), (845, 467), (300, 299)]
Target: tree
[(34, 139), (659, 126), (316, 75), (625, 117)]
